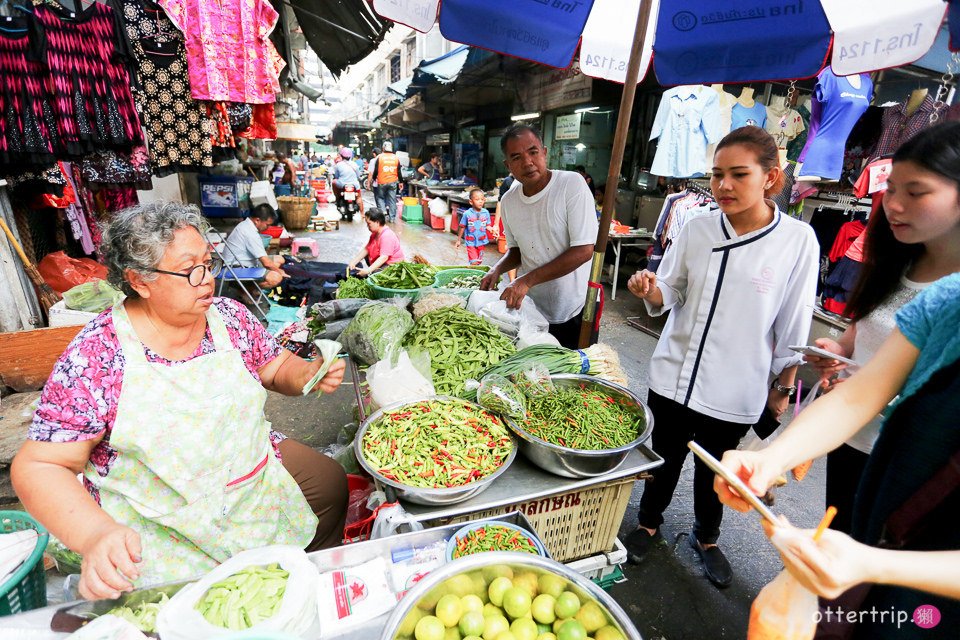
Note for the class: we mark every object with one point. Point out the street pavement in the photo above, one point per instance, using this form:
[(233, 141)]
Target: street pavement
[(667, 596)]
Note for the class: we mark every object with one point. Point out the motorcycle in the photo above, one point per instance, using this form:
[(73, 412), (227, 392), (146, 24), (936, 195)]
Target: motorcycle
[(348, 202)]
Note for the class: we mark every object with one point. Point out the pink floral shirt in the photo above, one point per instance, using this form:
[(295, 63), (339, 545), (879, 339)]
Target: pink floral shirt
[(229, 55), (79, 400)]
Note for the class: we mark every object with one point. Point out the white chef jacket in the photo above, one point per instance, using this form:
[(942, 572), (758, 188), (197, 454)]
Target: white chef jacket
[(737, 304)]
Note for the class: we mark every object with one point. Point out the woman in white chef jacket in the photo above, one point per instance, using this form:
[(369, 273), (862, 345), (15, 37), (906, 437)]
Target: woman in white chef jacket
[(739, 284)]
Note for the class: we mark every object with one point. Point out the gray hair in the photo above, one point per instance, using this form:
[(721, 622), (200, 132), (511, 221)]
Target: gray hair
[(137, 238)]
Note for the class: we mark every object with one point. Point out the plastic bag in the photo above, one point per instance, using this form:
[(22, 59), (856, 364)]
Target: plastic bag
[(399, 379), (336, 309), (179, 620), (501, 396), (783, 610), (534, 381), (377, 330), (391, 519), (351, 596), (92, 297), (63, 273), (438, 207), (528, 319), (107, 626), (529, 338), (261, 192), (342, 450)]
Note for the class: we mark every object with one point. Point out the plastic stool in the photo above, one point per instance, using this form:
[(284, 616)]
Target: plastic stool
[(309, 243)]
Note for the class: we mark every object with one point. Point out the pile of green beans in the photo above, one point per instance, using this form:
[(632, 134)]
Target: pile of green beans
[(436, 443), (464, 282), (354, 288), (581, 419), (405, 275), (493, 538), (462, 346)]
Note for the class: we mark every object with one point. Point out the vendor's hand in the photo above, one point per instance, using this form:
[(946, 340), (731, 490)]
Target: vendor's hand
[(515, 292), (642, 284), (755, 468), (830, 384), (777, 403), (363, 273), (827, 367), (457, 245), (112, 555), (490, 281), (331, 381), (828, 566)]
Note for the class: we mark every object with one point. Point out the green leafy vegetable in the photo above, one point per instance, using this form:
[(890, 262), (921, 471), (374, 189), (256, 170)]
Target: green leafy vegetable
[(354, 288)]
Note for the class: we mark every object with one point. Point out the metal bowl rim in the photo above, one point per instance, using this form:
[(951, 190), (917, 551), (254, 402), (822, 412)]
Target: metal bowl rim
[(590, 453), (479, 560), (445, 491)]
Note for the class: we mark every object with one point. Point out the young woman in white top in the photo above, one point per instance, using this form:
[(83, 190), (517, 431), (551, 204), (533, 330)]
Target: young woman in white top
[(739, 284), (911, 241)]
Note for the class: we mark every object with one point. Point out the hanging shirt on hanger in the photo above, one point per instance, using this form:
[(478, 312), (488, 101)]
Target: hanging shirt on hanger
[(897, 126), (229, 53), (795, 146), (755, 116), (873, 182), (725, 102), (784, 125), (687, 120), (837, 105)]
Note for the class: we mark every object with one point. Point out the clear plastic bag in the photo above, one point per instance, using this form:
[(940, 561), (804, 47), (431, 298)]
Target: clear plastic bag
[(534, 381), (391, 520), (377, 330), (342, 450), (179, 620), (783, 610), (527, 319), (400, 379), (499, 395)]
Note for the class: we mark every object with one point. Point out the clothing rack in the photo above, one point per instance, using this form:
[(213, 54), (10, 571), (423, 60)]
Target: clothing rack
[(846, 201)]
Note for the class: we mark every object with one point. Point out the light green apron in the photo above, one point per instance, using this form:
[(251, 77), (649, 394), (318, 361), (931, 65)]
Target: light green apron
[(195, 474)]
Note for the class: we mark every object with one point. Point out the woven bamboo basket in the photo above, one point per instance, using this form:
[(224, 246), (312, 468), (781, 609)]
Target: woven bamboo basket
[(296, 211)]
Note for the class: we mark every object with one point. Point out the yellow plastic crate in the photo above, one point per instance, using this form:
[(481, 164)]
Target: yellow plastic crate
[(571, 525)]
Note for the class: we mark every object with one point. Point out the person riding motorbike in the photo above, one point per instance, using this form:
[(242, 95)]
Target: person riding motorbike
[(345, 173)]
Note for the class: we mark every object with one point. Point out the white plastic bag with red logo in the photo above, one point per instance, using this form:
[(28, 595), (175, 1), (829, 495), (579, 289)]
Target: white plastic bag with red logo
[(351, 596)]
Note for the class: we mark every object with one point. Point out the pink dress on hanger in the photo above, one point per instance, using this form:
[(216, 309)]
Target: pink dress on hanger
[(229, 54)]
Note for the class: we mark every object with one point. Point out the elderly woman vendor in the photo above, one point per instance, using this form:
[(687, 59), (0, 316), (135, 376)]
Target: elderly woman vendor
[(159, 404)]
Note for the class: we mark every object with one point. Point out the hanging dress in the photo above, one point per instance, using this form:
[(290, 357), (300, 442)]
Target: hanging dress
[(28, 134), (87, 56)]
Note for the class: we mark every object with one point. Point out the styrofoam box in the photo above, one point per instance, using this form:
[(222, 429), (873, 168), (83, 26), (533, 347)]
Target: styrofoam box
[(602, 564), (60, 316)]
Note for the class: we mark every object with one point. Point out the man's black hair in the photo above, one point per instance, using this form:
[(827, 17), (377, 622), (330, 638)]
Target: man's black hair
[(515, 131), (264, 212)]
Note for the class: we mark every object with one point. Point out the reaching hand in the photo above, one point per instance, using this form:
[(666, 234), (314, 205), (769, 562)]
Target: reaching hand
[(331, 381), (756, 471), (110, 563), (777, 403), (643, 284), (490, 281), (514, 294), (827, 367)]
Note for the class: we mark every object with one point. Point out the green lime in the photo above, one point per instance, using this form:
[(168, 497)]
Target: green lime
[(552, 584), (410, 622), (494, 626), (542, 608), (516, 602), (608, 632), (571, 630), (491, 610), (567, 605), (449, 610), (472, 623), (524, 629), (429, 628), (546, 636), (452, 633), (505, 635), (497, 588), (471, 602), (591, 616)]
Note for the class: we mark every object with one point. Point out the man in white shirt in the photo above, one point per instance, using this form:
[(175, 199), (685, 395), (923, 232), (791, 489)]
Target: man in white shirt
[(550, 224), (244, 247)]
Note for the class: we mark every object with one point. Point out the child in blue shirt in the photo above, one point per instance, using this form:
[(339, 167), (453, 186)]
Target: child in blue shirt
[(473, 227)]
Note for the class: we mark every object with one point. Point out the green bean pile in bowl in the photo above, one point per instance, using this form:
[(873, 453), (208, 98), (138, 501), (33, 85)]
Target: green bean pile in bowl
[(435, 451), (572, 462)]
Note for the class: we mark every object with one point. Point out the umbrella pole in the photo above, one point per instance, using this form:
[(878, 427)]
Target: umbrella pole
[(613, 175)]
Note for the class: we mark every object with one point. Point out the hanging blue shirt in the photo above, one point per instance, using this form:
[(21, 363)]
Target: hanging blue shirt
[(687, 120), (834, 110), (755, 116)]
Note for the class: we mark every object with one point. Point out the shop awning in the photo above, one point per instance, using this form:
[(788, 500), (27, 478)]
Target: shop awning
[(696, 41), (444, 69), (297, 131), (341, 33)]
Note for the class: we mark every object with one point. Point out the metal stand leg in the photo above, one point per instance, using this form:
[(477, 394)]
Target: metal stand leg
[(617, 247)]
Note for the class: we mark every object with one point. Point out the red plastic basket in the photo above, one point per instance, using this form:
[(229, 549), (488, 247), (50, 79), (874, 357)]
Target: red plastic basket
[(436, 222)]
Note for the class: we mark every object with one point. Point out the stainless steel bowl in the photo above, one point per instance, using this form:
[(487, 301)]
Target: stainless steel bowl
[(447, 495), (582, 463), (580, 585)]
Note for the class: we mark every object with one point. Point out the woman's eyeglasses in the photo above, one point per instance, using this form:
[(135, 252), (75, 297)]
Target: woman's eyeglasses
[(196, 275)]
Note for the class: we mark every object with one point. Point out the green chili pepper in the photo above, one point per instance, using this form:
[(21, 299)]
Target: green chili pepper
[(581, 419)]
